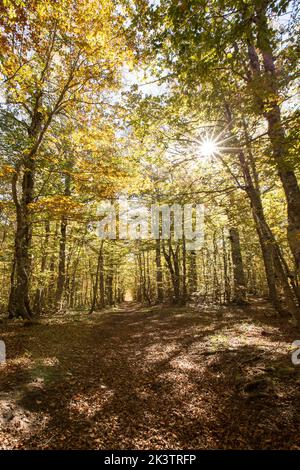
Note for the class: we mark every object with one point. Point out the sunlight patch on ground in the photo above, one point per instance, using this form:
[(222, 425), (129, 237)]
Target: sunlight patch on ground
[(184, 363), (88, 405), (158, 352), (49, 361), (21, 361)]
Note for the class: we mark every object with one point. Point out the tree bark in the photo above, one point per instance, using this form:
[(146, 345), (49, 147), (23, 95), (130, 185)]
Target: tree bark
[(39, 299), (101, 281), (171, 258), (227, 289), (61, 275), (97, 278), (275, 272), (19, 296), (109, 287), (159, 272), (271, 111), (184, 287), (193, 280), (238, 266)]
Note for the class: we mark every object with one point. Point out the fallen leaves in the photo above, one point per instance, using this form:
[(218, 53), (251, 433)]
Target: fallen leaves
[(150, 379)]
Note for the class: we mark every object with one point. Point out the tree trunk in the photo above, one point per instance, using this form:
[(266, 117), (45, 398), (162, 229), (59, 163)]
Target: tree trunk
[(173, 269), (184, 290), (109, 287), (61, 275), (193, 281), (216, 283), (272, 113), (227, 290), (39, 299), (238, 267), (96, 283), (101, 282), (19, 296), (11, 306), (275, 272), (159, 272)]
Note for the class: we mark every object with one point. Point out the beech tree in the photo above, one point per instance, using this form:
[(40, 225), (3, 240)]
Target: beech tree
[(58, 59)]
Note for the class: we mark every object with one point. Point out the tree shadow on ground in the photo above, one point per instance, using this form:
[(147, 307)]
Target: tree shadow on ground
[(156, 379)]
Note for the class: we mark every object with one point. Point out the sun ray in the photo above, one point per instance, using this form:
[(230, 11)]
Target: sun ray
[(208, 147), (214, 142)]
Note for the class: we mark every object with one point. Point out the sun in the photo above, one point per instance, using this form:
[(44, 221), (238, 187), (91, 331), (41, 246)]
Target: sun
[(208, 147)]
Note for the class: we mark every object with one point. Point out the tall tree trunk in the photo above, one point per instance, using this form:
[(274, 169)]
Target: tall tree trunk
[(148, 276), (184, 289), (145, 279), (216, 283), (109, 286), (22, 246), (238, 266), (268, 104), (227, 290), (61, 275), (11, 306), (23, 235), (140, 278), (275, 272), (101, 282), (171, 258), (97, 277), (193, 280), (40, 292), (159, 272), (72, 301)]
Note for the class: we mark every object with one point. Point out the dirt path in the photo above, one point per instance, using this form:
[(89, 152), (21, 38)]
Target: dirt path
[(151, 379)]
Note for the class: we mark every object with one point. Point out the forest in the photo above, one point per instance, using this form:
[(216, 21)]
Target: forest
[(149, 224)]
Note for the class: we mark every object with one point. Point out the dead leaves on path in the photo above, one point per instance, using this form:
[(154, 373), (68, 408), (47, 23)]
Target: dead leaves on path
[(151, 379)]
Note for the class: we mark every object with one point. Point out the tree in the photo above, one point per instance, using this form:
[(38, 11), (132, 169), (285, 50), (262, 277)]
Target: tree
[(55, 63)]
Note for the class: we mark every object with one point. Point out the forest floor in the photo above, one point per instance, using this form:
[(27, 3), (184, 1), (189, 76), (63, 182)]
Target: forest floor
[(151, 378)]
